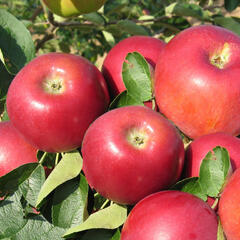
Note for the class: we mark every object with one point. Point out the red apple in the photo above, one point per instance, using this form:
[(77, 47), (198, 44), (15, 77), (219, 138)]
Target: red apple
[(198, 149), (54, 98), (14, 150), (197, 84), (147, 46), (131, 152), (229, 211), (171, 215)]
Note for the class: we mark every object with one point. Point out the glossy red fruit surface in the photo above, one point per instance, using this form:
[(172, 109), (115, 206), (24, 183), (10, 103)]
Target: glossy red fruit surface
[(54, 98), (131, 152), (171, 215), (229, 211), (147, 46), (197, 84), (14, 150), (198, 149)]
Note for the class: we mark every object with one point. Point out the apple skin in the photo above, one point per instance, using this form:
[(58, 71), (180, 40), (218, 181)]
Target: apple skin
[(53, 100), (229, 211), (197, 95), (14, 150), (147, 46), (124, 171), (171, 215), (198, 149), (71, 8)]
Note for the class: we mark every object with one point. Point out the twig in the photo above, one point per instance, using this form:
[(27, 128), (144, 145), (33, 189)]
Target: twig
[(38, 10), (68, 24), (48, 36), (79, 24)]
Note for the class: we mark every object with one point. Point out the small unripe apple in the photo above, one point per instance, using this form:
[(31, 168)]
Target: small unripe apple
[(70, 8), (171, 215), (131, 152)]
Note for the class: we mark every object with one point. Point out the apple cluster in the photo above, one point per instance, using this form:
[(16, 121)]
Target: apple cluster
[(132, 155)]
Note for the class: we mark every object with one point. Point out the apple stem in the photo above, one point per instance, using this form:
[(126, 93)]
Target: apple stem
[(96, 194), (57, 159), (215, 203), (43, 158), (105, 203), (153, 104)]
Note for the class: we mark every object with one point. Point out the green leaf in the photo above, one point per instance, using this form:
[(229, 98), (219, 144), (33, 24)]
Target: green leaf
[(124, 99), (36, 228), (5, 80), (95, 17), (111, 7), (137, 77), (16, 225), (214, 170), (31, 187), (109, 38), (230, 5), (220, 233), (131, 27), (4, 116), (186, 9), (108, 218), (16, 42), (68, 168), (98, 234), (116, 235), (11, 216), (190, 185), (70, 203), (11, 181), (229, 23)]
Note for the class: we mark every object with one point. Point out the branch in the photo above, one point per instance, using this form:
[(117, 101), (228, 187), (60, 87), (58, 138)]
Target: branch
[(48, 36), (38, 10), (90, 24), (68, 24)]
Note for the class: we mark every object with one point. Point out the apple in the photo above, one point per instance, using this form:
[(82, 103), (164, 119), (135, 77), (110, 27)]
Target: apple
[(197, 84), (14, 150), (131, 152), (198, 149), (53, 100), (147, 46), (171, 215), (229, 211), (71, 8)]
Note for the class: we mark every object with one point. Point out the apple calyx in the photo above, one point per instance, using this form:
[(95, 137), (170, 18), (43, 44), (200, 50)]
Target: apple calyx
[(54, 85), (221, 56), (137, 137)]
